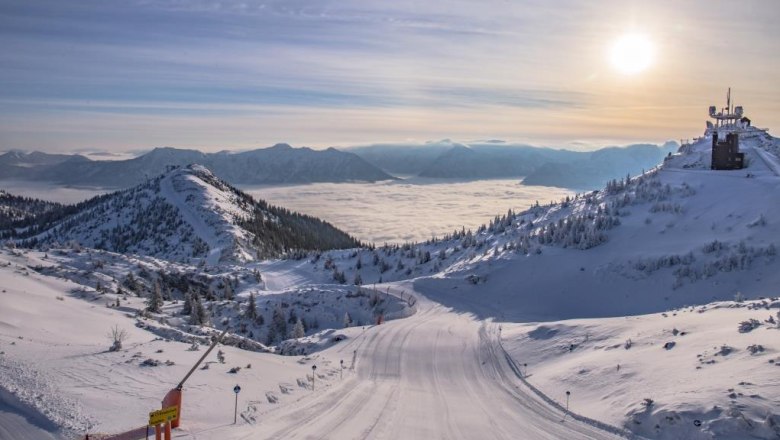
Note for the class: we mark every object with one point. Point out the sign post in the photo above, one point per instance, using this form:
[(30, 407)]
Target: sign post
[(342, 369), (236, 390), (163, 417), (313, 371)]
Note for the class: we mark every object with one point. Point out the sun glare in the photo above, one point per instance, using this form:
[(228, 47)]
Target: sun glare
[(632, 54)]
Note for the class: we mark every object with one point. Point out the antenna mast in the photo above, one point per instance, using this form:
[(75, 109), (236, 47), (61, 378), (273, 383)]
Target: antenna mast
[(728, 101)]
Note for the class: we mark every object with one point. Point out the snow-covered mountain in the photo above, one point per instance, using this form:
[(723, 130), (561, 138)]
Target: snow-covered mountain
[(692, 234), (186, 213), (278, 164)]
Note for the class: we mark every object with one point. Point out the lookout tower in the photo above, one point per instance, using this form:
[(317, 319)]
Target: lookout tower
[(728, 123)]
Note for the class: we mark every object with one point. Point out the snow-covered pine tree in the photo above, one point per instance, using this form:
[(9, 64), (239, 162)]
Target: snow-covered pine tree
[(347, 320), (298, 330)]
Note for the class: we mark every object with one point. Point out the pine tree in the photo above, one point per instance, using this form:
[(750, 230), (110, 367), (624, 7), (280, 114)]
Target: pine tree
[(187, 309), (358, 280), (347, 320), (271, 338), (155, 300), (278, 322), (251, 308), (298, 330), (199, 315)]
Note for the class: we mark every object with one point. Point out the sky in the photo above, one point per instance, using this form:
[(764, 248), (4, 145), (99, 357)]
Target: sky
[(135, 74)]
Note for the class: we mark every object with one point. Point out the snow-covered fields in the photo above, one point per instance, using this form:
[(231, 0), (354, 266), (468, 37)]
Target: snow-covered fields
[(652, 302), (657, 374)]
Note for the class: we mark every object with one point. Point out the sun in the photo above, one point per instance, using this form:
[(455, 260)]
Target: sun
[(632, 53)]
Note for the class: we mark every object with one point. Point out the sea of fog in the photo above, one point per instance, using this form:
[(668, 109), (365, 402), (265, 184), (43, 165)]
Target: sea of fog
[(394, 211), (408, 210)]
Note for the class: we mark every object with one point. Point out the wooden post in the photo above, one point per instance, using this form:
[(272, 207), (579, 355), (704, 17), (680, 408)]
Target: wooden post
[(168, 430), (157, 432)]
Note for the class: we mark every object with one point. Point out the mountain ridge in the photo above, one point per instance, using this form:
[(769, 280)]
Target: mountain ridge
[(280, 163), (185, 214)]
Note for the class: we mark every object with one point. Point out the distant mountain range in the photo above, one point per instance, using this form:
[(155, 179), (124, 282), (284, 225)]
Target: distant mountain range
[(185, 214), (538, 166), (283, 164), (278, 164)]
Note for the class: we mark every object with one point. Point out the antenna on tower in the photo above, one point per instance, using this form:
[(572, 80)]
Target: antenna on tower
[(728, 101)]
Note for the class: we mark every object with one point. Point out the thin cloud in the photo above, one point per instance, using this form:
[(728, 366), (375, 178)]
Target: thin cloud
[(402, 69)]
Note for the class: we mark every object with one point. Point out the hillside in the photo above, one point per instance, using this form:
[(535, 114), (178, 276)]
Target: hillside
[(679, 249), (278, 164), (184, 214), (15, 210), (677, 227)]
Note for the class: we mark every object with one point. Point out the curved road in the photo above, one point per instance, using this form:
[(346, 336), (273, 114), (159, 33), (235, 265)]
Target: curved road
[(435, 375)]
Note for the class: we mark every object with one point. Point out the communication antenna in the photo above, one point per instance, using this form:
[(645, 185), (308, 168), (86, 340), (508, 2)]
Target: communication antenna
[(728, 100)]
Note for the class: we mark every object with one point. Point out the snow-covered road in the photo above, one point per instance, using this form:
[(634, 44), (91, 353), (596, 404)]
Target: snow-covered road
[(437, 374)]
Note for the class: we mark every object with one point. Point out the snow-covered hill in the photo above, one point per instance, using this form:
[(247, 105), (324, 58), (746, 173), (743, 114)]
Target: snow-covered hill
[(679, 234), (187, 214), (672, 244)]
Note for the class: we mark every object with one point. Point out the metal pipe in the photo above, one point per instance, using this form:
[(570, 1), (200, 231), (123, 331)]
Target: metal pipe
[(192, 370)]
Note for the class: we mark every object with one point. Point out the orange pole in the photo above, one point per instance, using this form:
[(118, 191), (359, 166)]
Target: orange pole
[(168, 430), (173, 398), (157, 432)]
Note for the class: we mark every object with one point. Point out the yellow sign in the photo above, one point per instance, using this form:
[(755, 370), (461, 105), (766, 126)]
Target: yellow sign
[(163, 415)]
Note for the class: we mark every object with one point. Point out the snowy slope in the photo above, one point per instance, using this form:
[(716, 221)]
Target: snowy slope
[(62, 376), (680, 234), (187, 214), (698, 363), (210, 209), (560, 287), (395, 384)]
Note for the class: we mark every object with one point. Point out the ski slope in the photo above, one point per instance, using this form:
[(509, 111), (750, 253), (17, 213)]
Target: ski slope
[(20, 424), (437, 374)]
